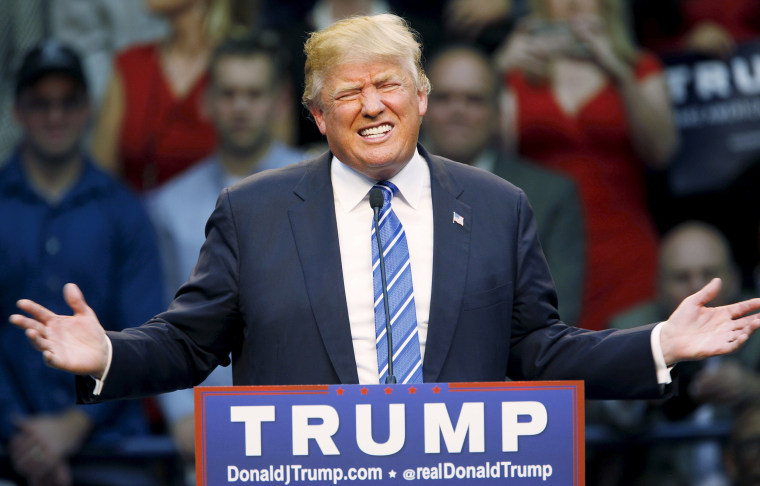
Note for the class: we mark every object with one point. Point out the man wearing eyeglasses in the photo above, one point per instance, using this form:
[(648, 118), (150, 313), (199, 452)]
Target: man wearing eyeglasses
[(62, 219)]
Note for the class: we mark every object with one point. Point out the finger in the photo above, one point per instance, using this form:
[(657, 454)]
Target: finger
[(706, 293), (742, 308), (26, 323), (52, 360), (746, 325), (737, 341), (37, 340), (37, 311), (75, 299)]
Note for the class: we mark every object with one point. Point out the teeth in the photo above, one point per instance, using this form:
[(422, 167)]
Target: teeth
[(375, 131)]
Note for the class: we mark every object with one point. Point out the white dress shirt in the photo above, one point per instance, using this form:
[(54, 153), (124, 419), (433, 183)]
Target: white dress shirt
[(414, 207)]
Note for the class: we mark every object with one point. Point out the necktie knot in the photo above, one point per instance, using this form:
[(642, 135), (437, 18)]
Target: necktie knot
[(389, 190)]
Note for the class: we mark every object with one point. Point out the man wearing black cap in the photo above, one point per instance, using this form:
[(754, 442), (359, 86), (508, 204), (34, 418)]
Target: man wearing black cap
[(63, 219)]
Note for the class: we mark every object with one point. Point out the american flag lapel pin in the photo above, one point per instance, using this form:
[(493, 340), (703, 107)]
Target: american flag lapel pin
[(458, 219)]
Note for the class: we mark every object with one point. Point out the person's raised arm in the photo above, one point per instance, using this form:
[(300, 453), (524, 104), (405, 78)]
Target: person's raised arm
[(695, 331), (647, 103), (529, 53), (77, 344)]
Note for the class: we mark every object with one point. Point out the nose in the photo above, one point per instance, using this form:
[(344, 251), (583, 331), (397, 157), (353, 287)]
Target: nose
[(457, 105), (240, 102), (372, 102), (56, 113)]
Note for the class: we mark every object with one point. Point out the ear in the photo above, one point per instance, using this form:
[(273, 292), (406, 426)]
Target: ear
[(319, 119), (422, 101)]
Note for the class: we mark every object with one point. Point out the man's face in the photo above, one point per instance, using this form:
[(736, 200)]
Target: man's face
[(462, 115), (371, 113), (54, 113), (688, 261), (242, 102)]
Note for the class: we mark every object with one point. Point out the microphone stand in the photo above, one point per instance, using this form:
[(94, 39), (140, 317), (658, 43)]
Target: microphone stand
[(373, 200)]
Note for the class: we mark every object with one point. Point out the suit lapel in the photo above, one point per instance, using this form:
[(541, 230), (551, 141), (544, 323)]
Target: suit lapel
[(316, 235), (450, 255)]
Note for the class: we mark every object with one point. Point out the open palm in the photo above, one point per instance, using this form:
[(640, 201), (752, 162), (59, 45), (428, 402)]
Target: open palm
[(77, 344), (695, 331)]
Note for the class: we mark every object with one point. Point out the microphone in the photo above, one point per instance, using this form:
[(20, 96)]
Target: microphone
[(376, 201)]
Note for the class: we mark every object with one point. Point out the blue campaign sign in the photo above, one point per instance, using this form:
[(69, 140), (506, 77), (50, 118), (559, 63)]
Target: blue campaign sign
[(716, 104), (466, 433)]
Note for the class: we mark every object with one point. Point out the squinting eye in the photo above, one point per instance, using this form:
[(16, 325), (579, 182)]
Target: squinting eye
[(347, 96)]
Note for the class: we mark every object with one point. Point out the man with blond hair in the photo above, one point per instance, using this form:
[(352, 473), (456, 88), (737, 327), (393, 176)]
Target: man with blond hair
[(285, 280)]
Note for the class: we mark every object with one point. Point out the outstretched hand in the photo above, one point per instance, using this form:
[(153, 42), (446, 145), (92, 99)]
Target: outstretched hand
[(695, 331), (77, 344)]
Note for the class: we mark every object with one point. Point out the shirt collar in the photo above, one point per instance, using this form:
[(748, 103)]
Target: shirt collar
[(351, 187)]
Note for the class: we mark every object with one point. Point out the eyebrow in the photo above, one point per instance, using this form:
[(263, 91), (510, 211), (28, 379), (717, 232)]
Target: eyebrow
[(380, 79), (384, 78), (345, 89)]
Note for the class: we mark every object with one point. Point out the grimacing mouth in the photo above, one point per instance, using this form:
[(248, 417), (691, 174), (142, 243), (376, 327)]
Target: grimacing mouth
[(377, 131)]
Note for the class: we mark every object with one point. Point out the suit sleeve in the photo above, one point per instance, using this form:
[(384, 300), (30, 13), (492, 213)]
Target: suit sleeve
[(613, 363), (180, 347)]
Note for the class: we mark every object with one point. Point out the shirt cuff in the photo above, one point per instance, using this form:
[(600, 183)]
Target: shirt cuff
[(661, 368), (102, 381)]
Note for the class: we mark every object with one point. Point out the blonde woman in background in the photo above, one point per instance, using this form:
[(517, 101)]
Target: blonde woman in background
[(151, 126)]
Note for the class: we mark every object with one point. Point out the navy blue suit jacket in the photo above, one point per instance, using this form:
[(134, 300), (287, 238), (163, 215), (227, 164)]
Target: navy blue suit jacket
[(268, 287)]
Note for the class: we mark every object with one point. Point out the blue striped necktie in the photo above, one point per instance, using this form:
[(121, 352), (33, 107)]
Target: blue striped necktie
[(407, 360)]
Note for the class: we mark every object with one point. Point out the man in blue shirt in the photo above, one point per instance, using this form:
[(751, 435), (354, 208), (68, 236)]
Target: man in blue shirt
[(64, 220)]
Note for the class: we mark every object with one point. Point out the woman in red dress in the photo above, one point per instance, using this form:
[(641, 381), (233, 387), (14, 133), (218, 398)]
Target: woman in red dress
[(152, 126), (579, 98)]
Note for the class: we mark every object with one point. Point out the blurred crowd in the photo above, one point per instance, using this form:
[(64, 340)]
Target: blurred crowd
[(122, 120)]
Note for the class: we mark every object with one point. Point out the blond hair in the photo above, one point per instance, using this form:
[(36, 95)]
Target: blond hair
[(361, 39), (218, 22)]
